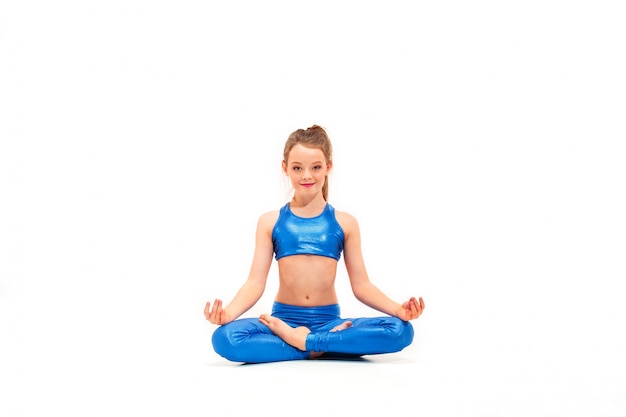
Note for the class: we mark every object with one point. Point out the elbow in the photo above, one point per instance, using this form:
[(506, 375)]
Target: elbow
[(258, 288), (360, 292)]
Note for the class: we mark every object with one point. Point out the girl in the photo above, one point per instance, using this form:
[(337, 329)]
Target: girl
[(307, 236)]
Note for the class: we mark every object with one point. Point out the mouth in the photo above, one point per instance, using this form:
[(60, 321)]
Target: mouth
[(309, 185)]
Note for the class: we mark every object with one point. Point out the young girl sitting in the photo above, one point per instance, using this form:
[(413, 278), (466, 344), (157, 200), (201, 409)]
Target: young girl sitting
[(307, 237)]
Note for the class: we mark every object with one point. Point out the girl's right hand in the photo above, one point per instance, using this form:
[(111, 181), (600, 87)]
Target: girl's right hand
[(216, 315)]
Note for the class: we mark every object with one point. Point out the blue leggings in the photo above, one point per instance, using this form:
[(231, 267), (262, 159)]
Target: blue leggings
[(248, 340)]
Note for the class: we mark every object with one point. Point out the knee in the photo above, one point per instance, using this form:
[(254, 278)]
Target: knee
[(222, 344), (402, 331), (226, 343)]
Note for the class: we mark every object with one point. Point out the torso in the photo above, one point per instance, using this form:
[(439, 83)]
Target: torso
[(306, 280)]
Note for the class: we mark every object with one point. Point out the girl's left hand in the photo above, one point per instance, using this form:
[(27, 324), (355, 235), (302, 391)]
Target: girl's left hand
[(411, 309)]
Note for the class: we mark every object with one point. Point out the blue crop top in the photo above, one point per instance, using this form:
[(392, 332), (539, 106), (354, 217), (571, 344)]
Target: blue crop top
[(320, 235)]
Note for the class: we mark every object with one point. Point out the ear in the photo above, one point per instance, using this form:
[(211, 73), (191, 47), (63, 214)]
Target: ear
[(285, 167), (329, 166)]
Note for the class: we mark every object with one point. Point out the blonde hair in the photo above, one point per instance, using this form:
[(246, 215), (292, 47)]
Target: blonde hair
[(312, 137)]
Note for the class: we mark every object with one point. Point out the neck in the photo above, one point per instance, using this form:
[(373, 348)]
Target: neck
[(308, 202)]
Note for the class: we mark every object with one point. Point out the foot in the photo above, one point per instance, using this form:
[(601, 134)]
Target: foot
[(342, 326), (295, 336)]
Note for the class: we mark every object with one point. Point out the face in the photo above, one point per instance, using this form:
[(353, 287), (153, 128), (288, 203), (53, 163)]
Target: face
[(307, 169)]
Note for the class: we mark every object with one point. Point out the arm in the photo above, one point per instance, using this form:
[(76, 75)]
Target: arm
[(364, 290), (252, 290)]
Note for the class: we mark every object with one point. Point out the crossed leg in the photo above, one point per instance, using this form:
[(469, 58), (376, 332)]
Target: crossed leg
[(295, 336)]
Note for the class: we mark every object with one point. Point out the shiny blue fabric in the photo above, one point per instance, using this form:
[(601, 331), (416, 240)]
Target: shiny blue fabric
[(320, 235), (248, 340)]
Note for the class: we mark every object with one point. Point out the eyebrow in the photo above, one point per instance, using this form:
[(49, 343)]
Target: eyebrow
[(300, 163)]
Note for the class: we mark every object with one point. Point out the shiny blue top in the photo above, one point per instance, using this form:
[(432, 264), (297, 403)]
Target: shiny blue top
[(320, 235)]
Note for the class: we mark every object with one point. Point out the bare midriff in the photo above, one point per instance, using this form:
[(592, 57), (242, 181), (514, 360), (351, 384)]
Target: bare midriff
[(307, 280)]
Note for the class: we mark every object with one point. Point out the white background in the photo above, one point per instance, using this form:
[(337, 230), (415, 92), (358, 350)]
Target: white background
[(480, 145)]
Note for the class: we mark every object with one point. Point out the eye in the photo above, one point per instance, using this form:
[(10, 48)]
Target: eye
[(297, 168), (317, 167)]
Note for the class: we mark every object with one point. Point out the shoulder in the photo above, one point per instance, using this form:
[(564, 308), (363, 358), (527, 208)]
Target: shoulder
[(347, 221), (269, 218), (267, 221)]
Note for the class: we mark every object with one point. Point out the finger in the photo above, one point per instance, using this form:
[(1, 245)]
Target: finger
[(207, 310), (420, 307), (217, 307), (414, 308), (405, 313)]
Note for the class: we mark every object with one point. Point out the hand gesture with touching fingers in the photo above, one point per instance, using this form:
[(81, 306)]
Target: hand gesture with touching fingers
[(411, 309), (217, 314)]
